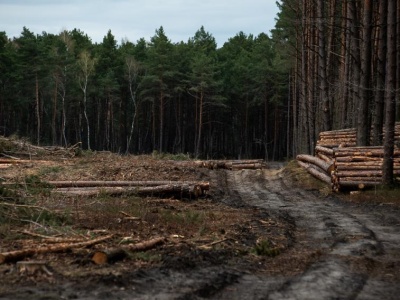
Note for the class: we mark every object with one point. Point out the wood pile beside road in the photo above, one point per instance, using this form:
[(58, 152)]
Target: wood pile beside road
[(339, 162), (360, 167)]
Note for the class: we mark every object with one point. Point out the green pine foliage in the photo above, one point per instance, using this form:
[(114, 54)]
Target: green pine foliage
[(189, 97)]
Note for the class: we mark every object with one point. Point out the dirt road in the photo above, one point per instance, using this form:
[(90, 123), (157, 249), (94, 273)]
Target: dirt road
[(336, 250), (358, 245)]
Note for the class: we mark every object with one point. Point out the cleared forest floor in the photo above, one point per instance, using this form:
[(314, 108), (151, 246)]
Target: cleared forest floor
[(257, 234)]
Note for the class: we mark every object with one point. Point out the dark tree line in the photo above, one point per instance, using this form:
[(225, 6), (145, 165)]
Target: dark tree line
[(188, 97), (345, 70)]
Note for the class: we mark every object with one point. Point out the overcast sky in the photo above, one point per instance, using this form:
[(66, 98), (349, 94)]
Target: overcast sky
[(135, 19)]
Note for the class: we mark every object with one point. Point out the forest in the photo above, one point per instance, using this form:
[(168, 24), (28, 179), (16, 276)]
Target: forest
[(326, 65)]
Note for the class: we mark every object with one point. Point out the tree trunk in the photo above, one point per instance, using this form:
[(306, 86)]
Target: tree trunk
[(37, 109), (54, 116), (365, 82), (200, 124), (20, 254), (354, 78), (390, 93), (380, 75), (322, 66)]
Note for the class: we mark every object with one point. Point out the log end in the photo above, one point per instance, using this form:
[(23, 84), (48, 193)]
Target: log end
[(100, 258)]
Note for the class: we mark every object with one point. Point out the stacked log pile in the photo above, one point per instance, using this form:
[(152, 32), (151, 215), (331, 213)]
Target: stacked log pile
[(347, 137), (339, 162), (338, 138), (360, 167)]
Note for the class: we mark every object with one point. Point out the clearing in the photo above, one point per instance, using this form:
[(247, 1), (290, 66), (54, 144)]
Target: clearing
[(271, 233)]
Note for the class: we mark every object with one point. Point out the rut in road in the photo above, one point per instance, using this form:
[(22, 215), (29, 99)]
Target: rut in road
[(345, 235)]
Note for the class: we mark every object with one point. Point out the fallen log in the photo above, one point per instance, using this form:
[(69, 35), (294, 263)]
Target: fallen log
[(61, 184), (327, 167), (315, 171), (55, 240), (229, 164), (5, 166), (114, 254), (19, 254), (170, 189), (254, 166), (10, 161)]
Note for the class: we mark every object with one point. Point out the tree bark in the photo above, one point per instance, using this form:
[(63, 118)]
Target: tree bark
[(380, 75), (315, 171), (180, 190), (365, 83), (390, 93), (322, 67), (63, 184), (20, 254), (327, 167)]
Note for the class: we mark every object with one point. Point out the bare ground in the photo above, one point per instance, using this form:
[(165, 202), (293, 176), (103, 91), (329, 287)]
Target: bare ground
[(258, 234)]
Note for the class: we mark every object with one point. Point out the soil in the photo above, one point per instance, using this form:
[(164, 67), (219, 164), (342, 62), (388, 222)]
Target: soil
[(257, 234)]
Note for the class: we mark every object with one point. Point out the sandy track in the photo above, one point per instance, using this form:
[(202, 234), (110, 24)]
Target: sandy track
[(359, 245)]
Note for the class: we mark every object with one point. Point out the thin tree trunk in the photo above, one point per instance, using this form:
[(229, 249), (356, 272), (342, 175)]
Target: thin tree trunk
[(354, 79), (160, 146), (363, 127), (200, 124), (345, 66), (37, 108), (322, 66), (380, 75), (54, 117), (390, 94)]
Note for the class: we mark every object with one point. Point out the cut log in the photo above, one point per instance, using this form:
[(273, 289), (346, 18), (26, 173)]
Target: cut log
[(62, 184), (315, 171), (55, 240), (359, 173), (19, 254), (361, 179), (327, 167), (357, 159), (254, 166), (181, 190), (325, 158), (229, 164), (360, 184), (115, 254), (324, 150)]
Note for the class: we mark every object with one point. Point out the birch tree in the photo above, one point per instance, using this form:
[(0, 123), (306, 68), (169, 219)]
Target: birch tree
[(86, 66)]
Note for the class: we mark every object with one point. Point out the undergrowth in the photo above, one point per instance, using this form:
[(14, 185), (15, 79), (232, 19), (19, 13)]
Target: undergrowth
[(169, 156)]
